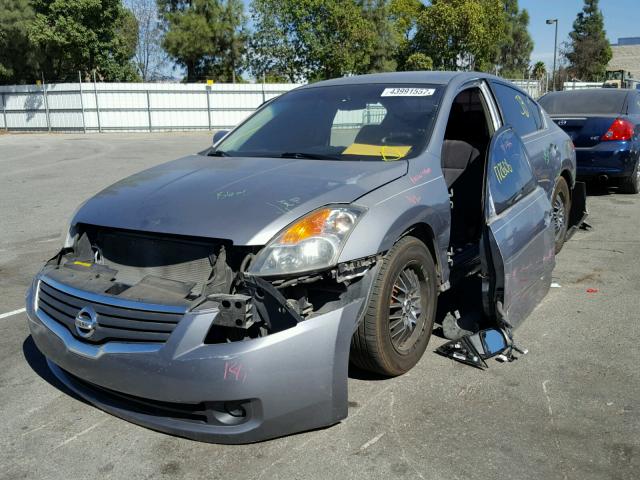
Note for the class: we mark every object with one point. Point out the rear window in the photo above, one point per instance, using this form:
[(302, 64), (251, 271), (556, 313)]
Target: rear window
[(584, 101)]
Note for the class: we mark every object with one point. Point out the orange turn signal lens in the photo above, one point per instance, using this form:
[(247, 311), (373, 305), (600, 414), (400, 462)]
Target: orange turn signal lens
[(307, 227)]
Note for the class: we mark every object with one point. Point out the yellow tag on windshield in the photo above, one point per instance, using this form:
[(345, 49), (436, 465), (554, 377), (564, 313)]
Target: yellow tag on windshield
[(82, 264), (387, 152)]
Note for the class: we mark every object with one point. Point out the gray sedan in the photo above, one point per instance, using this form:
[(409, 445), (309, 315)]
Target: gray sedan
[(222, 296)]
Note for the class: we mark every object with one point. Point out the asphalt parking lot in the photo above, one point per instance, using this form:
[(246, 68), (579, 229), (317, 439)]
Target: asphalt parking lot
[(568, 410)]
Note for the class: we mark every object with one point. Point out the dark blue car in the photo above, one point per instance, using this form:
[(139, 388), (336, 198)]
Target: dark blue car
[(604, 125)]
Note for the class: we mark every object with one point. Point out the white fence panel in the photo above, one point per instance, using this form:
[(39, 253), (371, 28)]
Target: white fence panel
[(131, 106), (533, 87), (580, 85), (153, 106)]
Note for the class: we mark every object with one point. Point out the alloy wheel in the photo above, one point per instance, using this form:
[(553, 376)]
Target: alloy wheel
[(559, 214), (405, 310)]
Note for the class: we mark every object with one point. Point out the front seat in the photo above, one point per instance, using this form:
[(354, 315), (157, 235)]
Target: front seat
[(457, 156), (463, 173)]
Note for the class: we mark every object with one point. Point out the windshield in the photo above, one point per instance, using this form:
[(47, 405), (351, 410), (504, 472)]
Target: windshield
[(592, 101), (345, 122)]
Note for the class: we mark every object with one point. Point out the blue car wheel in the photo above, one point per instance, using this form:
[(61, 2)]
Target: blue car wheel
[(631, 184)]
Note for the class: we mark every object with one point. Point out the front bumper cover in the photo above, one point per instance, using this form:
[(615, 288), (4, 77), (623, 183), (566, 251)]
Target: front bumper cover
[(286, 382)]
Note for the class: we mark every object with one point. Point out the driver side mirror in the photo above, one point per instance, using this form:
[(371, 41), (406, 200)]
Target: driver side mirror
[(219, 135), (493, 341), (474, 349)]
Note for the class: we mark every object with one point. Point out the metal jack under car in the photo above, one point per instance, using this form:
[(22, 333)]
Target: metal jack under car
[(222, 296)]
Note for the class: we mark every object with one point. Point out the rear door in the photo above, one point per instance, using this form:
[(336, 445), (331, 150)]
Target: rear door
[(518, 242)]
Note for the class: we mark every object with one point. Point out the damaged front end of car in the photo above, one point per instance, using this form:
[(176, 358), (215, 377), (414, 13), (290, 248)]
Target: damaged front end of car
[(200, 337)]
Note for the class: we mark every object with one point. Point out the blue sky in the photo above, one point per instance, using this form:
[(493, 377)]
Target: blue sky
[(621, 19)]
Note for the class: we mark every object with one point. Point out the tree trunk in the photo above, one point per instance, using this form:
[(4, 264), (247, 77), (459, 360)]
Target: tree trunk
[(191, 72)]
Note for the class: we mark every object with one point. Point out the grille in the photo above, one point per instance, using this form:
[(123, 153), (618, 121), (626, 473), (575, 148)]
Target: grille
[(114, 323)]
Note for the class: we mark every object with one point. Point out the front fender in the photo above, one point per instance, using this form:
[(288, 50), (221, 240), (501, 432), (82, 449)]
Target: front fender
[(420, 198)]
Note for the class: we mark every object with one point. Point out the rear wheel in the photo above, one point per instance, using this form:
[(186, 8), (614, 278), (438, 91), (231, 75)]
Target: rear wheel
[(396, 328), (561, 206), (632, 184)]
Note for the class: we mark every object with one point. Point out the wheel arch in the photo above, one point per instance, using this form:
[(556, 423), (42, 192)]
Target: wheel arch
[(424, 232), (566, 174)]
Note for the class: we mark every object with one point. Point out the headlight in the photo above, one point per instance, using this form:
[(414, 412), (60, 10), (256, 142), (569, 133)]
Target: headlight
[(69, 233), (67, 236), (313, 242)]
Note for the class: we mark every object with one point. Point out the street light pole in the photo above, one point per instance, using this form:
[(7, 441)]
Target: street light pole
[(555, 49)]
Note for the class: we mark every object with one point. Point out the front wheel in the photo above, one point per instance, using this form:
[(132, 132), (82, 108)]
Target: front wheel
[(396, 328), (632, 184), (561, 206)]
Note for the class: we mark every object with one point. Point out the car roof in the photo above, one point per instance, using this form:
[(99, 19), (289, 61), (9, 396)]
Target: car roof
[(586, 101), (434, 78), (586, 92)]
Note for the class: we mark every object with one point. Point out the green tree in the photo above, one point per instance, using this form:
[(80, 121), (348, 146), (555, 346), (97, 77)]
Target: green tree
[(403, 16), (312, 39), (272, 48), (539, 70), (418, 61), (462, 34), (83, 35), (515, 51), (385, 40), (16, 55), (206, 37), (588, 50)]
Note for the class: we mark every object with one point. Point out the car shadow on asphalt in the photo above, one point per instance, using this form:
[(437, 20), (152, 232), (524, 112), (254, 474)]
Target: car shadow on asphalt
[(356, 373), (38, 364), (466, 299), (600, 189)]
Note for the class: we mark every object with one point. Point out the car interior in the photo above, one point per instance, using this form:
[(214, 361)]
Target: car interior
[(464, 150)]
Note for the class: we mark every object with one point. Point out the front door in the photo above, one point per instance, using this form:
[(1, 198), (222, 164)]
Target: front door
[(518, 242)]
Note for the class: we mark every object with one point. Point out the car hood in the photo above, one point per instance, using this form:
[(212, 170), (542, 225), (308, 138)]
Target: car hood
[(245, 200)]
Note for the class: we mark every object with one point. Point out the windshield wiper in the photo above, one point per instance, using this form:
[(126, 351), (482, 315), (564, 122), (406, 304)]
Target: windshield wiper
[(312, 156), (218, 153)]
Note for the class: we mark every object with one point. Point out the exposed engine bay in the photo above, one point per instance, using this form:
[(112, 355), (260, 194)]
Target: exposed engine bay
[(202, 274)]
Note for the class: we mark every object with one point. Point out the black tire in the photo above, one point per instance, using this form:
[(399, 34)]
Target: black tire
[(561, 207), (631, 184), (372, 347)]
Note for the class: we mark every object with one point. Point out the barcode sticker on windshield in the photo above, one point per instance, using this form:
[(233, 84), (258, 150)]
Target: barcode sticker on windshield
[(408, 92)]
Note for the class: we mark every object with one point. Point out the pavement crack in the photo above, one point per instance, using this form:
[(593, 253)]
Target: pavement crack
[(554, 428), (394, 430), (77, 435), (371, 442), (612, 250)]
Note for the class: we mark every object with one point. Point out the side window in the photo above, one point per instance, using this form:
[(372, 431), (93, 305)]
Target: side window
[(510, 174), (635, 107), (534, 108), (518, 109)]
